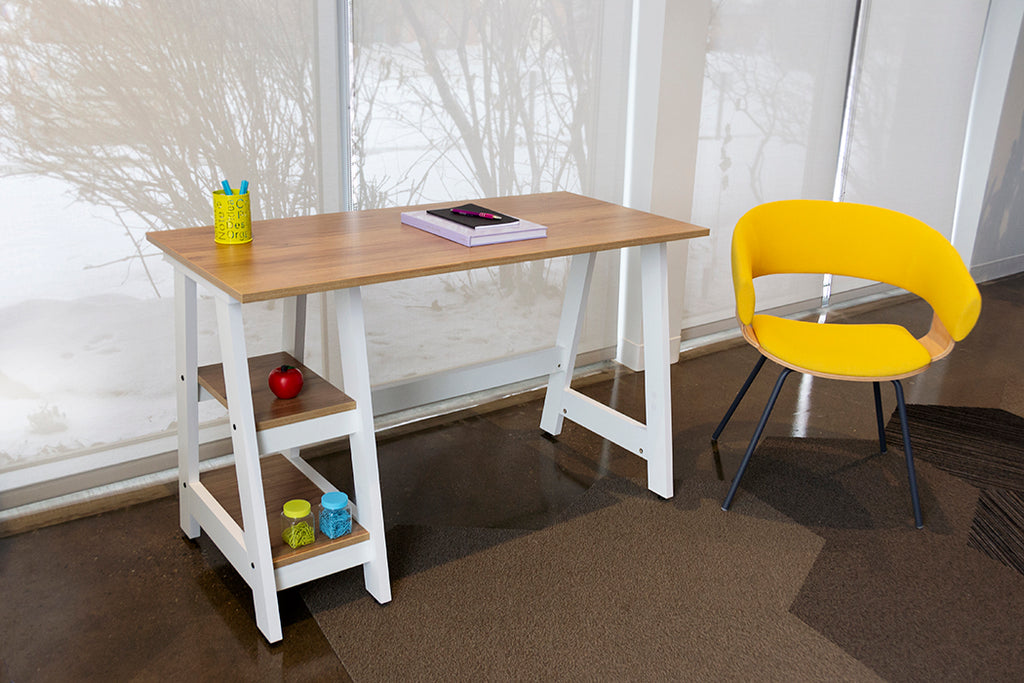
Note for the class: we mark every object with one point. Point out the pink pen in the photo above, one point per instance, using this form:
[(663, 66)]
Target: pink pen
[(488, 216)]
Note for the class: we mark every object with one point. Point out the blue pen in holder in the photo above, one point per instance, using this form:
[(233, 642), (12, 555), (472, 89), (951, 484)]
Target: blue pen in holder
[(232, 220)]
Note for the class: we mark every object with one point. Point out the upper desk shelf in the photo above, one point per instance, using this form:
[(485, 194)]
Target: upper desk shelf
[(341, 250), (317, 399)]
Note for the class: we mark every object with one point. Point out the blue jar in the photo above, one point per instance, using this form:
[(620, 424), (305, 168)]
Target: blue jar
[(335, 519)]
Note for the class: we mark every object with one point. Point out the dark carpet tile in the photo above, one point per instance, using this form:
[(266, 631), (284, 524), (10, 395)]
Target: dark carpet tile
[(910, 604), (984, 446), (829, 483), (998, 528)]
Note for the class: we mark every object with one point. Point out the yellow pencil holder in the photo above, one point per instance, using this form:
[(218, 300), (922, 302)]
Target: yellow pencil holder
[(232, 222)]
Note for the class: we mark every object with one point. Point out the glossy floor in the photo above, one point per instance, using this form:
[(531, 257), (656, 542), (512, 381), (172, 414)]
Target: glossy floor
[(122, 595)]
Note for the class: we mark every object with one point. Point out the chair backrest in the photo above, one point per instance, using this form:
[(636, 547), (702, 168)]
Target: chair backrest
[(811, 236)]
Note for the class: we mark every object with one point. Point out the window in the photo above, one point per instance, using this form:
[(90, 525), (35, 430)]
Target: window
[(459, 100), (117, 119)]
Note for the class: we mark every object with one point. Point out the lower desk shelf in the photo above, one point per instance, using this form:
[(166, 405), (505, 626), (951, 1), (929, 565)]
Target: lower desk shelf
[(282, 482)]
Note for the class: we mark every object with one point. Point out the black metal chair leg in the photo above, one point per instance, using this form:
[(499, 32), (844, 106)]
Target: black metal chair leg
[(878, 414), (909, 454), (739, 397), (756, 437)]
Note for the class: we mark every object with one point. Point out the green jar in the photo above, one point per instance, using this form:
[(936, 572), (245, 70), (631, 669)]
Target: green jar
[(297, 524)]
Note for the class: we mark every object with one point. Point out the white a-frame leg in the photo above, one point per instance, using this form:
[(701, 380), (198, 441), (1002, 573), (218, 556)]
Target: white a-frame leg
[(355, 370), (653, 440), (247, 546), (260, 574)]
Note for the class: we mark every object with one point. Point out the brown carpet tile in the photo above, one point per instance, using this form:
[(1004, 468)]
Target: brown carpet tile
[(817, 573)]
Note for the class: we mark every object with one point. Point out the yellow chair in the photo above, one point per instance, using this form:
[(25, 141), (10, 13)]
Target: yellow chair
[(805, 236)]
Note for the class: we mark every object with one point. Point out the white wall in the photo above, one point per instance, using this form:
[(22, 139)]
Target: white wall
[(999, 243)]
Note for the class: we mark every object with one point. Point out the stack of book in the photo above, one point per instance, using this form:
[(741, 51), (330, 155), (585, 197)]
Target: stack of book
[(472, 225)]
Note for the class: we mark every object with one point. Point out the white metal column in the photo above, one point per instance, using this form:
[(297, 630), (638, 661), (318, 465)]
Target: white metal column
[(647, 29)]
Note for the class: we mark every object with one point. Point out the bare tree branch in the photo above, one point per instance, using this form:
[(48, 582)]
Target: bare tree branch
[(144, 107)]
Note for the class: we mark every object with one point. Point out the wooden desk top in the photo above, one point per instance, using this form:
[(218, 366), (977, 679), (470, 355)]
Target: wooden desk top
[(318, 253)]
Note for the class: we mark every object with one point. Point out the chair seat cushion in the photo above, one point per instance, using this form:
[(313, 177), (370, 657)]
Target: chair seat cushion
[(847, 350)]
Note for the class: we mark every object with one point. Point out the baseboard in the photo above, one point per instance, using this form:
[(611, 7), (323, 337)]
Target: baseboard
[(631, 354), (94, 505), (994, 270)]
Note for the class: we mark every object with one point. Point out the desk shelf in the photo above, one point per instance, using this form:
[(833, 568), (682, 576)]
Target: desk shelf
[(304, 419), (232, 504), (318, 397), (282, 481)]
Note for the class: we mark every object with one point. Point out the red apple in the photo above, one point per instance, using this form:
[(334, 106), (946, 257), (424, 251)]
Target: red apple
[(285, 381)]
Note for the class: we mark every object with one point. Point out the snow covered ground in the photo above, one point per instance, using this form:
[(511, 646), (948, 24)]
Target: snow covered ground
[(87, 350)]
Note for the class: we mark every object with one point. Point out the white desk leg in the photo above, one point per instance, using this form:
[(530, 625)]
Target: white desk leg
[(295, 327), (186, 364), (657, 382), (294, 340), (247, 468), (581, 271), (355, 369)]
